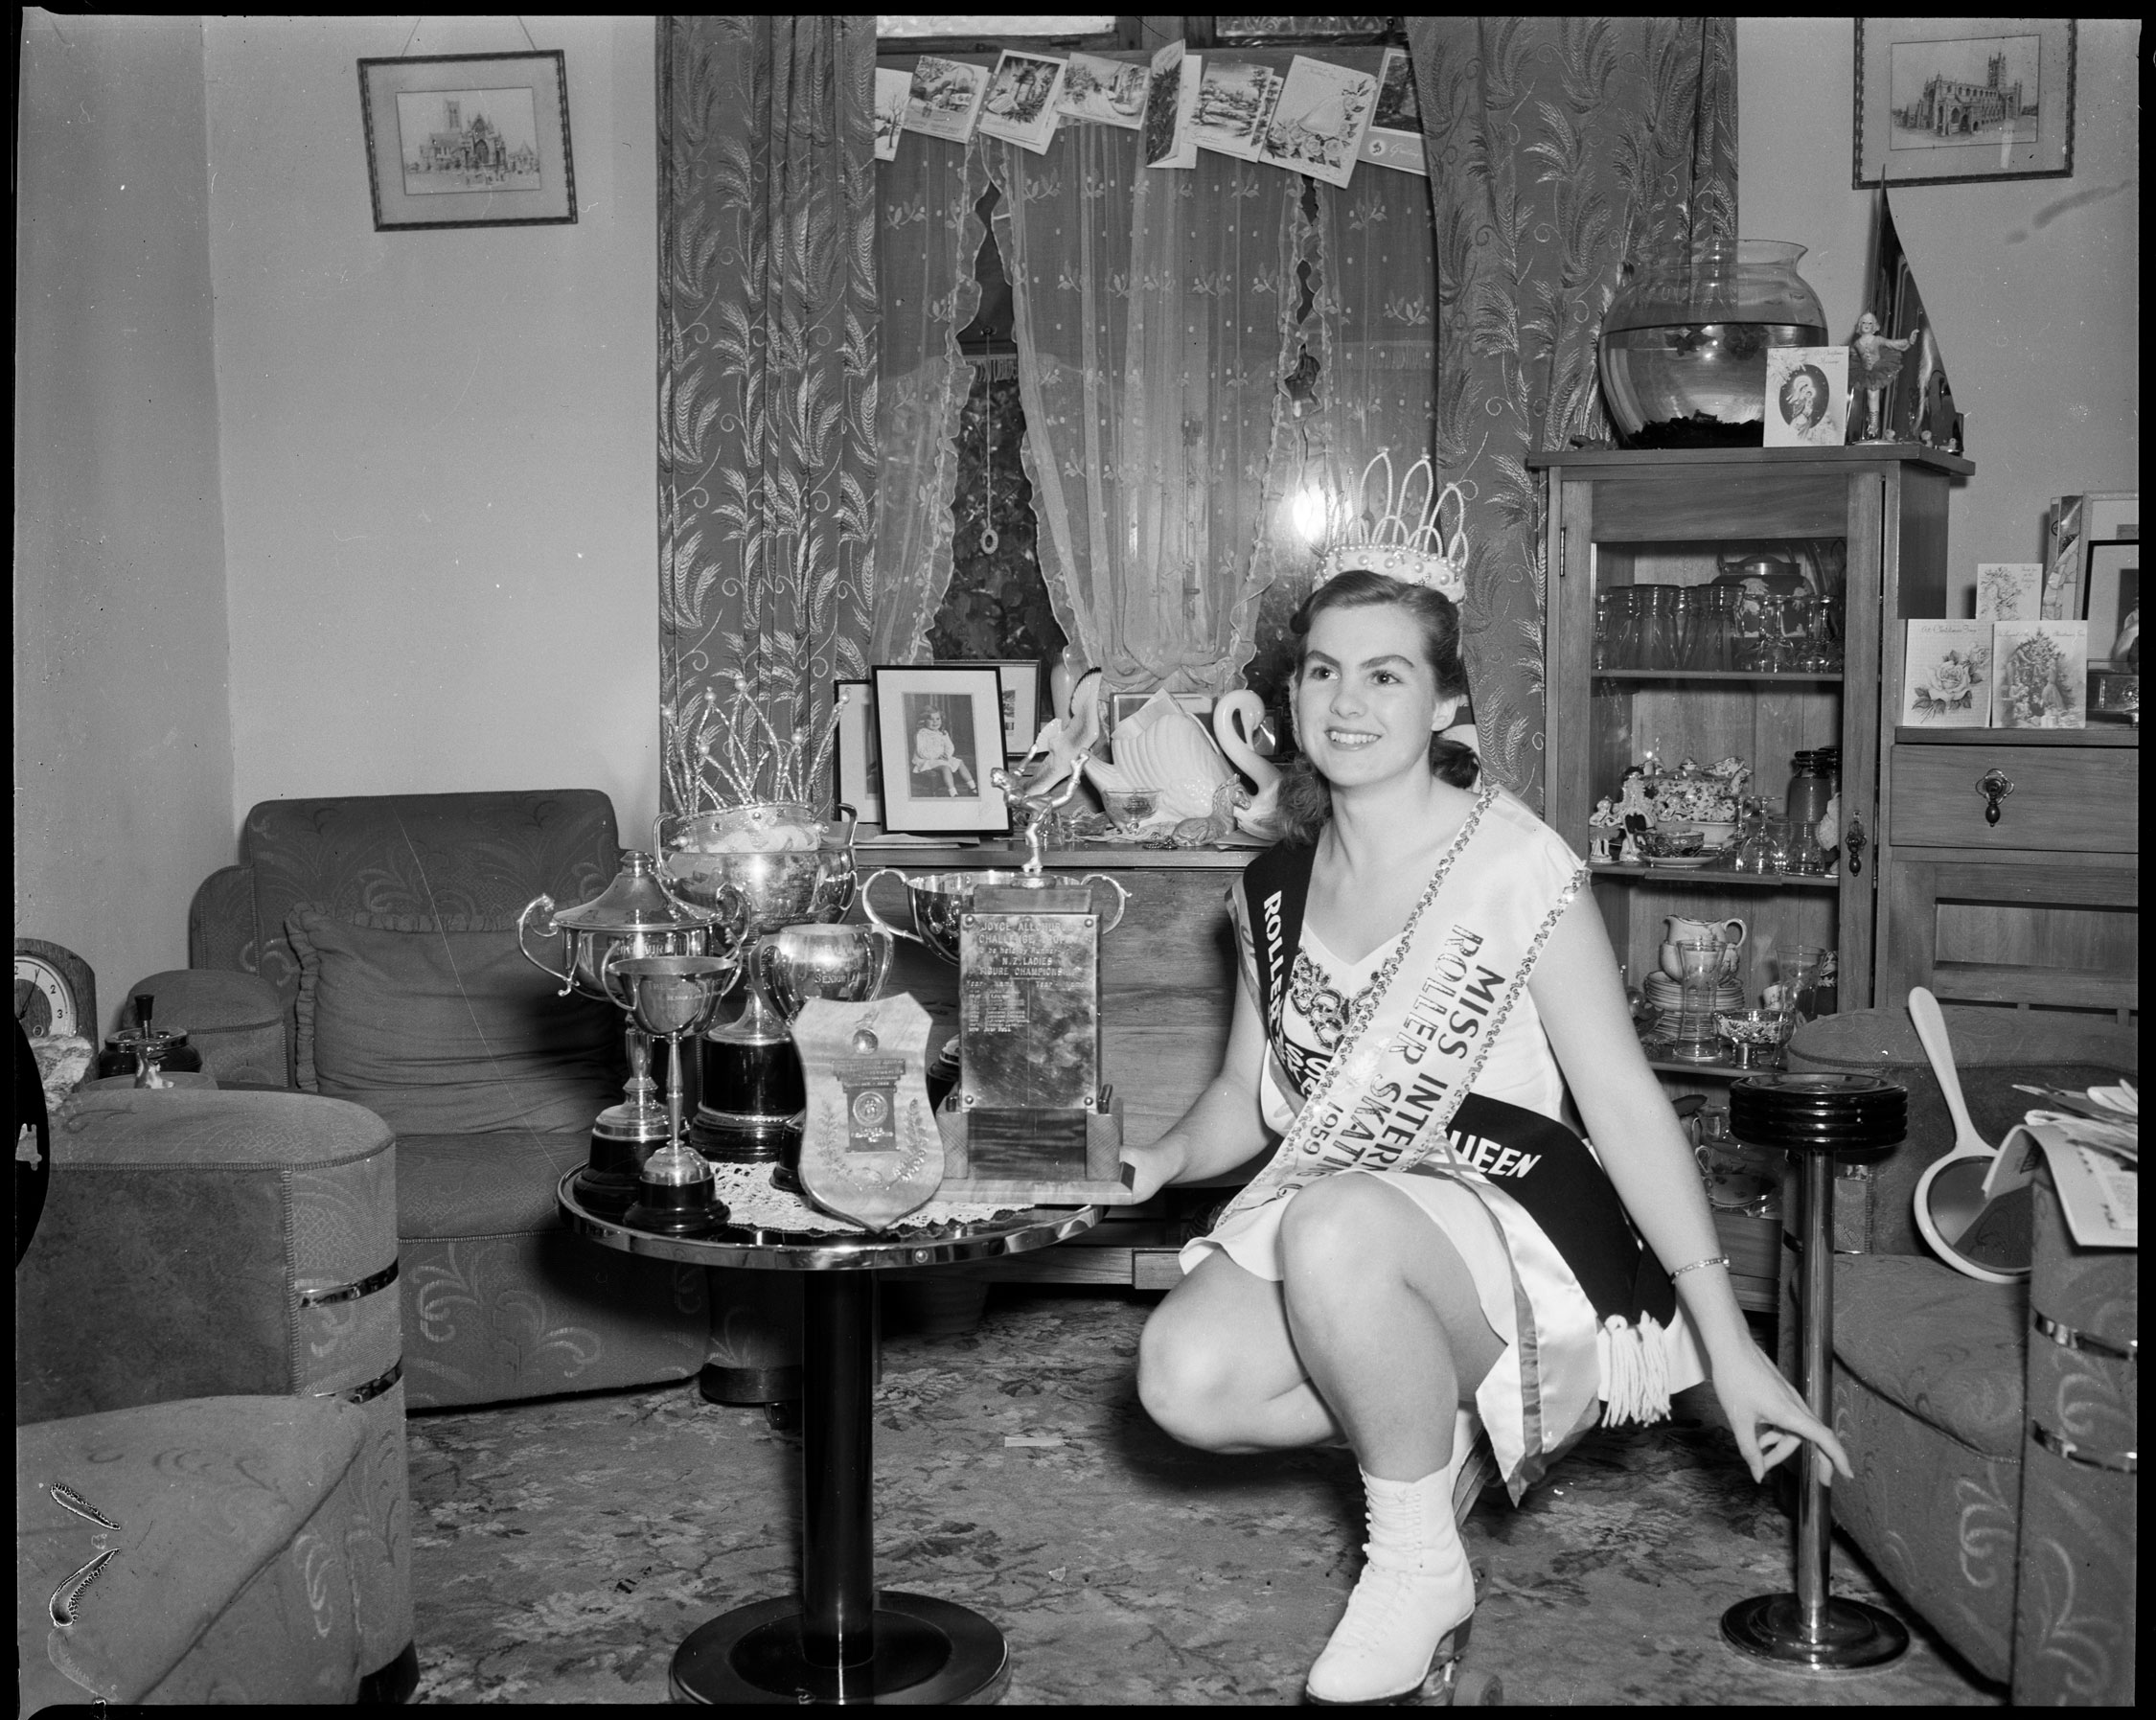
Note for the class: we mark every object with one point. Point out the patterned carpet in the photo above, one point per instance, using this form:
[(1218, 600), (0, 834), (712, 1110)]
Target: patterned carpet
[(562, 1549)]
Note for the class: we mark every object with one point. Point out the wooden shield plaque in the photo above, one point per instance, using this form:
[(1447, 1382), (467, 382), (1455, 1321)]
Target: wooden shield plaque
[(870, 1149)]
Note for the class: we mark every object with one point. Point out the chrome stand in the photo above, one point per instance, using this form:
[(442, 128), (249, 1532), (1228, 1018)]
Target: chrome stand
[(1812, 1630)]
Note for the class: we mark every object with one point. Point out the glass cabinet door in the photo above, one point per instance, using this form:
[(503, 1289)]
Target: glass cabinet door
[(1715, 653)]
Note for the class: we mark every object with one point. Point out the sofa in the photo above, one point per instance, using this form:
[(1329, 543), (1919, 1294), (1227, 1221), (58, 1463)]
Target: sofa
[(207, 1391), (1953, 1396), (365, 947)]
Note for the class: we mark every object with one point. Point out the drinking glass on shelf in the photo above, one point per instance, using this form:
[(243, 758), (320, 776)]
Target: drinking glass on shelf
[(1658, 644), (1701, 963), (1800, 966), (1605, 630), (1687, 628)]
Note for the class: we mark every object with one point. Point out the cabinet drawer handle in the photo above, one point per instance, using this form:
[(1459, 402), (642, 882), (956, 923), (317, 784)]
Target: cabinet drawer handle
[(1994, 785)]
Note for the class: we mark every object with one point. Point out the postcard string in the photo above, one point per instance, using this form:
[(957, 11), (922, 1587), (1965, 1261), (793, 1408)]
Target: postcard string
[(528, 42)]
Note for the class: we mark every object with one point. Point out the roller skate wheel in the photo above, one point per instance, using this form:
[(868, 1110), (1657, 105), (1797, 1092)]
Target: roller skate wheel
[(1478, 1690)]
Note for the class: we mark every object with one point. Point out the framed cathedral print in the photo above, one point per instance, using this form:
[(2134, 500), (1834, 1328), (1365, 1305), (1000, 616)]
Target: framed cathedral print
[(1945, 99), (468, 140)]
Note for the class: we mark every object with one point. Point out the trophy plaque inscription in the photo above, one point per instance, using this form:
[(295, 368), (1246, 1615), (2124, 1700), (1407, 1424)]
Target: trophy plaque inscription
[(870, 1149), (1031, 1119)]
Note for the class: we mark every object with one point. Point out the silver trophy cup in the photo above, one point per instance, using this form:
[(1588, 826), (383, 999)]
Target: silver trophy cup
[(846, 964), (672, 997)]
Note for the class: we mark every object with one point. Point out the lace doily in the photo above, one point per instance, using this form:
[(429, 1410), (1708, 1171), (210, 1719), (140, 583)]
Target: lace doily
[(753, 1202)]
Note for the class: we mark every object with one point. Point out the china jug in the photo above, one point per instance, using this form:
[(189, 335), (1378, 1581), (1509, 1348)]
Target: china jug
[(1679, 931)]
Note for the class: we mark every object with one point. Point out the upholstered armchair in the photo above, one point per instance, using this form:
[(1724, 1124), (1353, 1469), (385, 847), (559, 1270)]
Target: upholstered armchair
[(1955, 1396), (207, 1389), (365, 947)]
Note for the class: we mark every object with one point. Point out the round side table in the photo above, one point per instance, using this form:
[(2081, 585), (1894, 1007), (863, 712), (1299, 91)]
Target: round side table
[(842, 1641)]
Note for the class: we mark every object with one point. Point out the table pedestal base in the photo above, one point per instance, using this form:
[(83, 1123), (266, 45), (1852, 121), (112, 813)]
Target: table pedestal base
[(1854, 1636), (927, 1651)]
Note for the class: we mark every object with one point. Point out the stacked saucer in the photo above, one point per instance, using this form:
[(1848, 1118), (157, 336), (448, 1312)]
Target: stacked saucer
[(1665, 996)]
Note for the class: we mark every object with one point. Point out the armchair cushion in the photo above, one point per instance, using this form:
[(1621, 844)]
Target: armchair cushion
[(1945, 1349), (444, 1029)]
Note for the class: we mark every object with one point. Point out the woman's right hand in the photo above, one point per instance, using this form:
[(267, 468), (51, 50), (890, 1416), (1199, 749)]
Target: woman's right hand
[(1153, 1167)]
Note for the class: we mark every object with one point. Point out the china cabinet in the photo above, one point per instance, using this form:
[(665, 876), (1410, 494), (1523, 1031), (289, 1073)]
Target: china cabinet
[(1867, 526)]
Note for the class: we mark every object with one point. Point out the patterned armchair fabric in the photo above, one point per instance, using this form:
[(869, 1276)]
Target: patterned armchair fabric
[(2022, 1559), (197, 1244), (499, 1301)]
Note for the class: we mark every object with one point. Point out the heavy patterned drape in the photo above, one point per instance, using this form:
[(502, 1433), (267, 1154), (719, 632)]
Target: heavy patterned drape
[(768, 374), (1155, 314), (1557, 149)]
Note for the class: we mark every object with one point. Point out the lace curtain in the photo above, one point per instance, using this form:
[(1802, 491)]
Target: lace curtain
[(1557, 146), (1153, 315), (767, 374), (926, 237)]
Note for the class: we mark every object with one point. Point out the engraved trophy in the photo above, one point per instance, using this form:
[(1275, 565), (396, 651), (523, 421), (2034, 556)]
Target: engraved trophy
[(669, 998), (634, 917), (798, 964), (1029, 1116), (788, 866)]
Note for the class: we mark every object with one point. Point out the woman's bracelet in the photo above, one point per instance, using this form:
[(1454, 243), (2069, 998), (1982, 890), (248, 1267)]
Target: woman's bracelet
[(1710, 1261)]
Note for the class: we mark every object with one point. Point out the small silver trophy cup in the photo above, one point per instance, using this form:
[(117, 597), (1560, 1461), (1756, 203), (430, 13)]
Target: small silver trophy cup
[(845, 964), (672, 997)]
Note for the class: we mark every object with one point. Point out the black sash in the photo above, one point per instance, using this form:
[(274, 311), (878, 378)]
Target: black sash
[(1534, 1158)]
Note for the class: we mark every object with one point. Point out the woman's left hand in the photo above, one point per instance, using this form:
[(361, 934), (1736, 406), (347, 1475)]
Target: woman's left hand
[(1767, 1415)]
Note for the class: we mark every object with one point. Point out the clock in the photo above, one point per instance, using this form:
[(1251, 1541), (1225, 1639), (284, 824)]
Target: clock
[(55, 992)]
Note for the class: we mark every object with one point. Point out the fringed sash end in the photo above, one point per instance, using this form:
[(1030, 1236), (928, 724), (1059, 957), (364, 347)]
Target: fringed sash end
[(1636, 1371)]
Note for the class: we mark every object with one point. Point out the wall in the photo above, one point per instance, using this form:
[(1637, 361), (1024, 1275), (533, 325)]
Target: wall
[(439, 447), (2034, 285), (123, 737)]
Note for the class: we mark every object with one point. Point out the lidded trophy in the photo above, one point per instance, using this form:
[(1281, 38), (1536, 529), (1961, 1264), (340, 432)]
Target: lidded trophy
[(633, 918)]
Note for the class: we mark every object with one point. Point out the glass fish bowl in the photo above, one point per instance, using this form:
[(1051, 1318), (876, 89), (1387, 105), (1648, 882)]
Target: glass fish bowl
[(1685, 343)]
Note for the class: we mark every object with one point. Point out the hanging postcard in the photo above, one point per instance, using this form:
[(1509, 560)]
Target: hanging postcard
[(1946, 675), (2043, 674), (1807, 396), (945, 97), (1020, 104), (1320, 121), (890, 110), (2009, 590), (1171, 102), (1234, 99), (1395, 139), (1108, 92)]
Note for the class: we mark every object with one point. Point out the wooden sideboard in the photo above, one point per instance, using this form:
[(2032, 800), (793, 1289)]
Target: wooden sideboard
[(2039, 908)]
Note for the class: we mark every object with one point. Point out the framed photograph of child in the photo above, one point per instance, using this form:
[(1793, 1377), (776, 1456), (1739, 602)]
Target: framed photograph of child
[(939, 733), (861, 770)]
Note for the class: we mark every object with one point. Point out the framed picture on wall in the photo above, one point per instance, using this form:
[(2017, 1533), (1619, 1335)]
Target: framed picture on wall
[(1945, 99), (468, 140), (939, 734)]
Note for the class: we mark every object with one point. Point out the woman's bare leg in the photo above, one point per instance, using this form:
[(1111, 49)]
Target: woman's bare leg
[(1383, 1316), (1218, 1371)]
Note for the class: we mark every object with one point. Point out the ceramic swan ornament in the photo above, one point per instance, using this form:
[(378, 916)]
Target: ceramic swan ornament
[(1236, 718), (1066, 740)]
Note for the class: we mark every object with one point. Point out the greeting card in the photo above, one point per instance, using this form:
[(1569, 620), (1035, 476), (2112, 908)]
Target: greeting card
[(2009, 590), (1946, 675), (2043, 674), (945, 97), (1807, 396), (1107, 92), (1234, 99), (1020, 104), (891, 90), (1318, 122)]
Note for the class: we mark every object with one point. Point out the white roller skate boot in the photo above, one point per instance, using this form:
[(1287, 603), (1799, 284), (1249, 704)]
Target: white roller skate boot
[(1407, 1622)]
